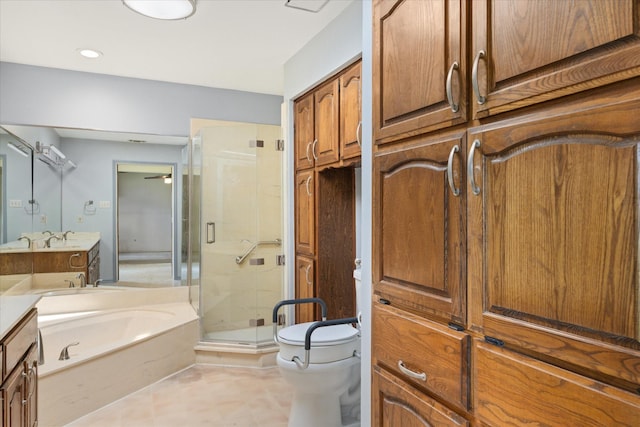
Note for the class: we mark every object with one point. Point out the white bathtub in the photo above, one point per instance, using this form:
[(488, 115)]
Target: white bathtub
[(119, 352)]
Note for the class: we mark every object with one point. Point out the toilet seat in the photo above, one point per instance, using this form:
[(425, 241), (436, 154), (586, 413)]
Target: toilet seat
[(328, 344)]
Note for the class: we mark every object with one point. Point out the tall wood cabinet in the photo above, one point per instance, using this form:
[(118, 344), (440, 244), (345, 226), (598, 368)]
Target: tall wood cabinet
[(506, 239), (327, 148)]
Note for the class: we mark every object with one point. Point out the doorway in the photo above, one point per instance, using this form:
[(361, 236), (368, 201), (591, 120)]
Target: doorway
[(145, 225)]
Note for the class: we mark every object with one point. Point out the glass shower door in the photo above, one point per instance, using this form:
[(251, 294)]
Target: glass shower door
[(241, 200)]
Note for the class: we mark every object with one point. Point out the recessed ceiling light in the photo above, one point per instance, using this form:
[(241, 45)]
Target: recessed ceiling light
[(90, 53), (163, 9)]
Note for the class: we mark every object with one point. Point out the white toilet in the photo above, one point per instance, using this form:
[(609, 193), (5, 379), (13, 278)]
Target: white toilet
[(326, 378)]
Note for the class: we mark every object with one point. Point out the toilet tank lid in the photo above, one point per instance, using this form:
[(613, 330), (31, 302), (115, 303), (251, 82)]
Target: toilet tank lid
[(327, 335)]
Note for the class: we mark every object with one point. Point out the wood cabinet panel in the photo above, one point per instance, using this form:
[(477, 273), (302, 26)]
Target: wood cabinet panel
[(410, 345), (305, 212), (350, 111), (419, 226), (326, 147), (19, 340), (395, 403), (579, 45), (305, 288), (553, 234), (515, 390), (303, 123), (415, 47), (16, 262)]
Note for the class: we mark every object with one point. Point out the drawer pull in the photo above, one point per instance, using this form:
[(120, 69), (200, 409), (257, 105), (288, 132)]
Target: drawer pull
[(408, 372)]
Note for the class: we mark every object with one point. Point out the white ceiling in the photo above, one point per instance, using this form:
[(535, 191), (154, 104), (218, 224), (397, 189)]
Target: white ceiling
[(231, 44)]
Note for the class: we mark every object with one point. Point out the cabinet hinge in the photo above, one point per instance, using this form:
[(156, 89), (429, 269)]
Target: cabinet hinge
[(279, 259), (279, 144), (456, 327), (494, 341)]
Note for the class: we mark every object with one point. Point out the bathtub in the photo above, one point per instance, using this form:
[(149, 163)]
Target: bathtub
[(119, 351)]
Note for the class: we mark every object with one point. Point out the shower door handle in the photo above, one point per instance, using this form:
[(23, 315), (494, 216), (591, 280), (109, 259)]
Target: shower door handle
[(211, 232)]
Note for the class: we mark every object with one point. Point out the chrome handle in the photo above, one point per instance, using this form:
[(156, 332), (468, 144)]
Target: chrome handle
[(452, 185), (474, 77), (308, 156), (306, 274), (211, 232), (358, 136), (71, 257), (313, 149), (472, 179), (408, 372), (307, 185), (454, 107)]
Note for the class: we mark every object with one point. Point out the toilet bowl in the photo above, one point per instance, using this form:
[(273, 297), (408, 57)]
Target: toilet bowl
[(322, 365)]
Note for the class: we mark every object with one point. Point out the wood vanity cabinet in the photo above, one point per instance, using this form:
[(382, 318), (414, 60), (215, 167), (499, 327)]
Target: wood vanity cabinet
[(327, 130), (19, 389), (527, 52), (523, 242), (87, 262)]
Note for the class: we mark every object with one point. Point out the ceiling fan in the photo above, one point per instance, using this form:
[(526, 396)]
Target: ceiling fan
[(166, 177)]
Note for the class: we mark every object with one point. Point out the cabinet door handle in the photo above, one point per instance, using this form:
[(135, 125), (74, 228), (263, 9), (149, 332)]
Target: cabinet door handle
[(358, 134), (307, 185), (452, 185), (472, 179), (308, 156), (313, 149), (306, 274), (454, 107), (474, 77), (408, 372)]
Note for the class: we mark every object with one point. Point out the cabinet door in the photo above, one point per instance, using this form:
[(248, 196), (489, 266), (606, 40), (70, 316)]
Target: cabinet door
[(303, 131), (30, 369), (304, 212), (350, 112), (529, 51), (553, 232), (13, 392), (305, 289), (326, 146), (418, 232), (395, 403), (418, 55)]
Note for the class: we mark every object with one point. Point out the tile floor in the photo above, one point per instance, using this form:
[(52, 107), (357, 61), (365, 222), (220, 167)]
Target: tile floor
[(202, 395)]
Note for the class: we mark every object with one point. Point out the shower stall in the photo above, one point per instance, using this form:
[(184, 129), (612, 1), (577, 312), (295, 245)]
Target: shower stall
[(236, 226)]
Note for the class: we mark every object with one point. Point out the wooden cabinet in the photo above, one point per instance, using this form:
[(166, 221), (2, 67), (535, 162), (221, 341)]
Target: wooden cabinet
[(19, 386), (327, 148), (419, 66), (579, 45), (524, 239), (350, 111), (553, 233), (81, 261), (397, 404), (419, 230)]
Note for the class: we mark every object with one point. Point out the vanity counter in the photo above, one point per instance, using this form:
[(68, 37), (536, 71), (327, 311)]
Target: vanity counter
[(13, 309)]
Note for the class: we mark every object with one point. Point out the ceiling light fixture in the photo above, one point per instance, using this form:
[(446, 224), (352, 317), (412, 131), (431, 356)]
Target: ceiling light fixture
[(163, 9), (89, 53)]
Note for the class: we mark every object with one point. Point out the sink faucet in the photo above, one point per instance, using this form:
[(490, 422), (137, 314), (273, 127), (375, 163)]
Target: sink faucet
[(83, 280), (27, 239), (95, 284), (64, 235), (64, 354), (47, 242)]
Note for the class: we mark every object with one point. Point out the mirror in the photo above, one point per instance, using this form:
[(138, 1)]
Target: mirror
[(82, 195)]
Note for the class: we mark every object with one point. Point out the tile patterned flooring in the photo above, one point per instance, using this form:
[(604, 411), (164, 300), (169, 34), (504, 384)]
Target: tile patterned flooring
[(202, 395)]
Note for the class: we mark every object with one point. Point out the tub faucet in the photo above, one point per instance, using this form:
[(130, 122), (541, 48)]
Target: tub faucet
[(95, 284), (66, 233), (83, 280), (40, 345), (27, 239), (64, 354), (47, 242)]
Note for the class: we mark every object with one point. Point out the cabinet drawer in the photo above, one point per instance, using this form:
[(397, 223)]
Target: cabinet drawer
[(17, 343), (512, 389), (395, 403), (422, 352)]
